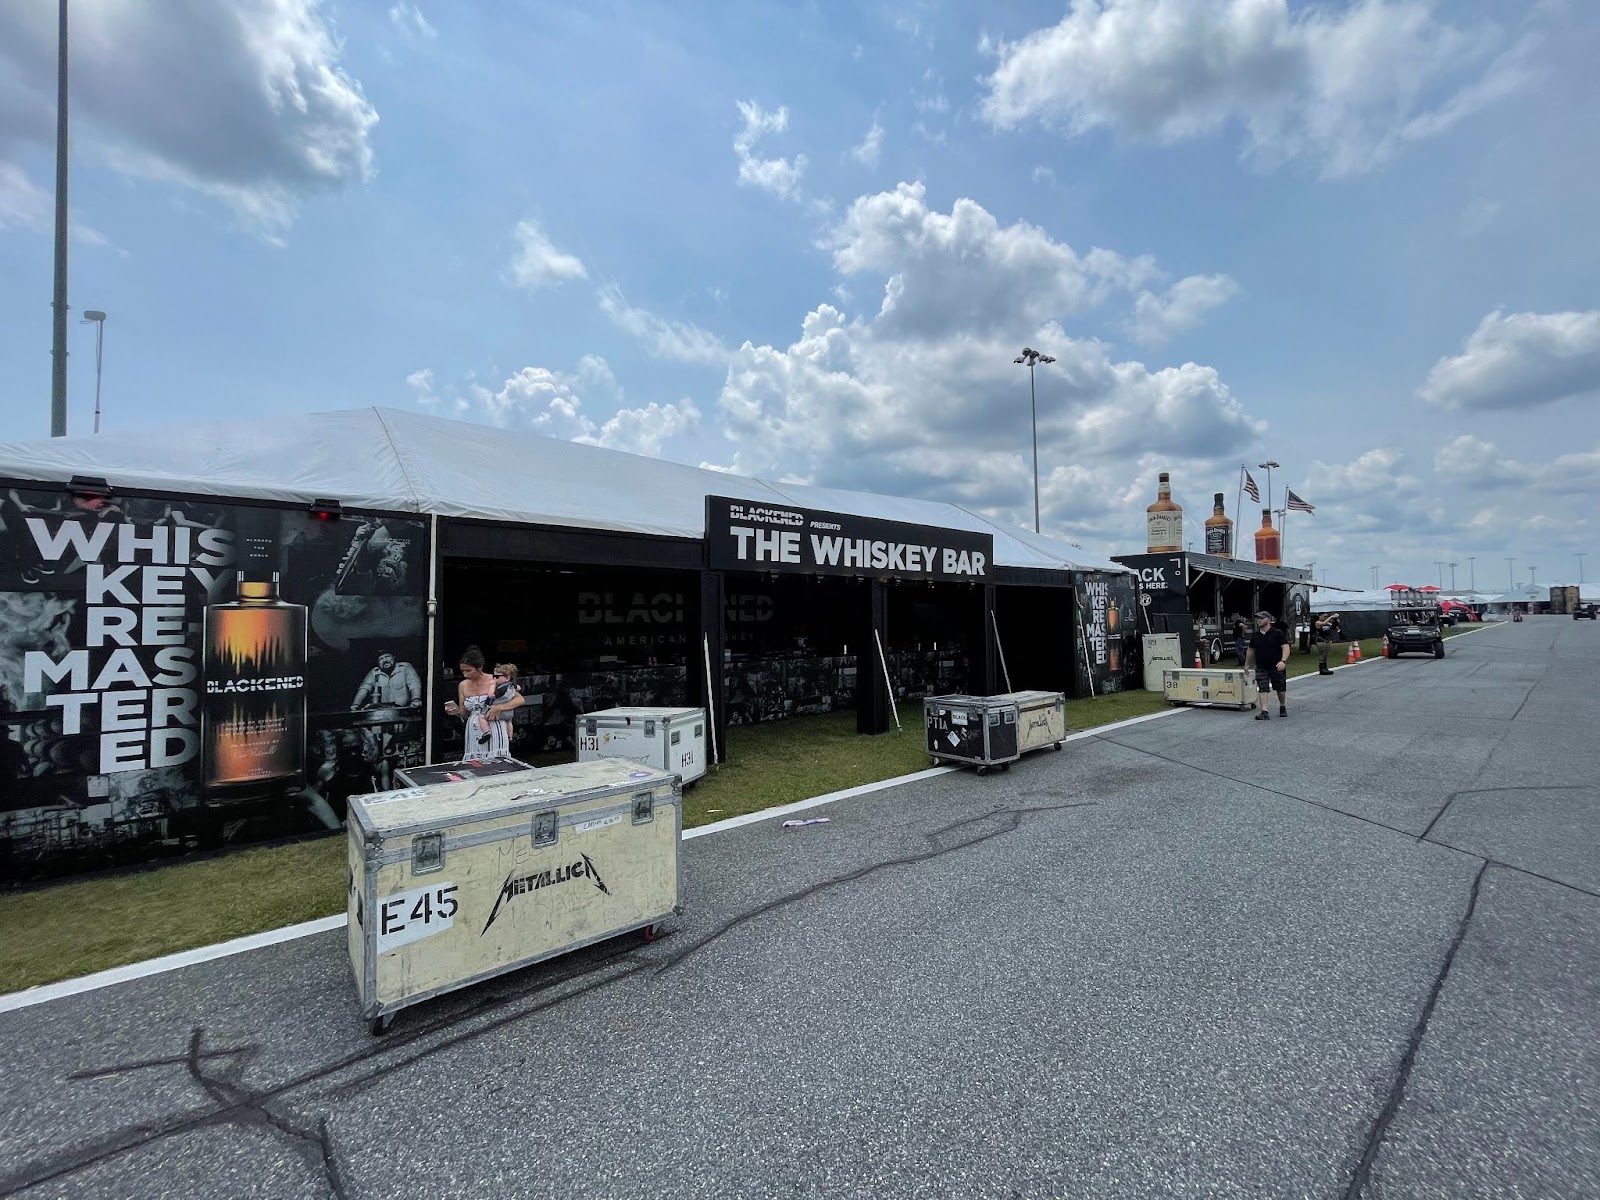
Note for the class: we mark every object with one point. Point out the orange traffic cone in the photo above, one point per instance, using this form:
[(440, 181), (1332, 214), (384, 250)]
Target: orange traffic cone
[(1357, 646), (1350, 654), (1197, 663)]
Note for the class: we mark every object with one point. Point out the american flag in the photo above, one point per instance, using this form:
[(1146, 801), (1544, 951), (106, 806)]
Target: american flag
[(1250, 488), (1300, 505)]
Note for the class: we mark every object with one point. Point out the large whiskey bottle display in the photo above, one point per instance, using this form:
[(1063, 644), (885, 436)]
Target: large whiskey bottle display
[(253, 727), (1164, 520), (1219, 530), (1269, 549)]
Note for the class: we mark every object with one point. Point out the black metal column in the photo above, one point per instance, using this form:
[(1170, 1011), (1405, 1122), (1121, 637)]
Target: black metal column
[(713, 614), (986, 664), (872, 693)]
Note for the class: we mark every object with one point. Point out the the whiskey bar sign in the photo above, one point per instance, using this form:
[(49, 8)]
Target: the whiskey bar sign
[(743, 535)]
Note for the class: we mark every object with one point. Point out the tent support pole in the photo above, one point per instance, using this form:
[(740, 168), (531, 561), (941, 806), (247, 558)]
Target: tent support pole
[(431, 679), (884, 663), (1003, 669), (711, 703)]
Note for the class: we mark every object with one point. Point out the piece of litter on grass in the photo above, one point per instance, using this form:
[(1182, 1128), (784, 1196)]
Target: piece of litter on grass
[(808, 821)]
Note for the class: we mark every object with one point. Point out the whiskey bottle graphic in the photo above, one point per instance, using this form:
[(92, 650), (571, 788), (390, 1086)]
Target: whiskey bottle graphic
[(253, 716), (1163, 520), (1268, 547), (1219, 529)]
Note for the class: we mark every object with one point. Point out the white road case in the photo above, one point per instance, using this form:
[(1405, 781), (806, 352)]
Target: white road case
[(1162, 653), (455, 883), (1041, 719), (671, 739), (1212, 687)]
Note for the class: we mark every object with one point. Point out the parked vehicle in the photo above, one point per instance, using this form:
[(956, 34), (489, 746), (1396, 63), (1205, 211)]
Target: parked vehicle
[(1583, 611), (1421, 634), (1453, 612)]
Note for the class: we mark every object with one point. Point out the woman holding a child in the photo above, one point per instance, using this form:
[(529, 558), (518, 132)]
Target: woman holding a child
[(485, 702)]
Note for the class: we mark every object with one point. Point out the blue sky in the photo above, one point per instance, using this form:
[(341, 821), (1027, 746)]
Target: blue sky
[(806, 241)]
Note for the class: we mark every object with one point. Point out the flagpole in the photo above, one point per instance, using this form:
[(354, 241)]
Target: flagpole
[(1238, 501)]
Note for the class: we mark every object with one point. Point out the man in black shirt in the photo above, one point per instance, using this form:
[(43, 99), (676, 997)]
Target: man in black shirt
[(1269, 648)]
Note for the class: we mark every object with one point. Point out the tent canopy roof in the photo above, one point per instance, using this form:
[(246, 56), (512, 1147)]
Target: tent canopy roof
[(404, 461)]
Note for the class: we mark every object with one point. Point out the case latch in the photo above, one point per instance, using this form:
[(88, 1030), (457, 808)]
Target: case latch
[(427, 853), (545, 825), (644, 808)]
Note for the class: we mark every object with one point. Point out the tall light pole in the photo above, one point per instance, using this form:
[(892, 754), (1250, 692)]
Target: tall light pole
[(1581, 553), (1440, 565), (1511, 572), (1472, 574), (1032, 357), (93, 316), (1532, 581), (1267, 467), (58, 332), (1452, 577), (1375, 575)]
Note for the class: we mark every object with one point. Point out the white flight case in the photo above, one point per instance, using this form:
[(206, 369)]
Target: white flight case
[(670, 739), (1041, 719), (1211, 687), (456, 883)]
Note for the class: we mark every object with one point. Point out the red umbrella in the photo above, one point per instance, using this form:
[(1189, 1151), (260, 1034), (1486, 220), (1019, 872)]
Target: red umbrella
[(1427, 587), (1397, 587)]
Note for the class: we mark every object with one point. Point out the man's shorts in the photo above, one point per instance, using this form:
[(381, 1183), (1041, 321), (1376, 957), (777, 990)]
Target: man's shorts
[(1271, 679)]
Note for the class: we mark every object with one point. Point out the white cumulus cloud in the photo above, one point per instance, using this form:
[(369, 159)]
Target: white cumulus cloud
[(537, 263), (246, 102), (1520, 361), (780, 176), (1159, 317), (920, 396), (679, 341), (870, 148), (408, 18), (1344, 87)]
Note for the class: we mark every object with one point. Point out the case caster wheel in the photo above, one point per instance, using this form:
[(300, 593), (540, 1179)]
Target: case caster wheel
[(379, 1026), (983, 770), (1005, 766), (1058, 745), (652, 932)]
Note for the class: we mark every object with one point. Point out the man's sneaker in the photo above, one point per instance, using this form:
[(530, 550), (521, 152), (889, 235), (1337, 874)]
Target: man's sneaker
[(1263, 715), (1283, 712)]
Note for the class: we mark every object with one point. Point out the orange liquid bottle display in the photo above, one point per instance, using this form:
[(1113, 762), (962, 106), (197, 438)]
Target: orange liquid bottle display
[(1269, 549), (254, 711)]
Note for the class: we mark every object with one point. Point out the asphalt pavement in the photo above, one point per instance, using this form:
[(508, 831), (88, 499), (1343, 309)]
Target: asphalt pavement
[(1351, 953)]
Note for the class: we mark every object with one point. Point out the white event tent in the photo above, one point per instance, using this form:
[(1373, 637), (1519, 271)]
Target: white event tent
[(406, 461)]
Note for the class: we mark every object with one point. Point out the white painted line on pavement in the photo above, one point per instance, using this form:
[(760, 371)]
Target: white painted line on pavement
[(188, 958), (168, 962)]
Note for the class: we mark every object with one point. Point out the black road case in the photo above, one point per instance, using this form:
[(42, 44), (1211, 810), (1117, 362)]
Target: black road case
[(977, 730)]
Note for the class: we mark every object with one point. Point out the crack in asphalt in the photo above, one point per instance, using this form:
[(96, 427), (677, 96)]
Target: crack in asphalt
[(1397, 1088), (237, 1103), (1451, 798), (1015, 816), (1328, 808)]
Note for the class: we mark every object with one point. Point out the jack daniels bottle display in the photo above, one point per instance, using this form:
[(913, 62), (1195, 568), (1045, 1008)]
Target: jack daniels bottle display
[(253, 715), (1219, 530)]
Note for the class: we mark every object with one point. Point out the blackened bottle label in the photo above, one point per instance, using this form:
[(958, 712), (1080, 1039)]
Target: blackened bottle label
[(254, 711), (1217, 540)]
